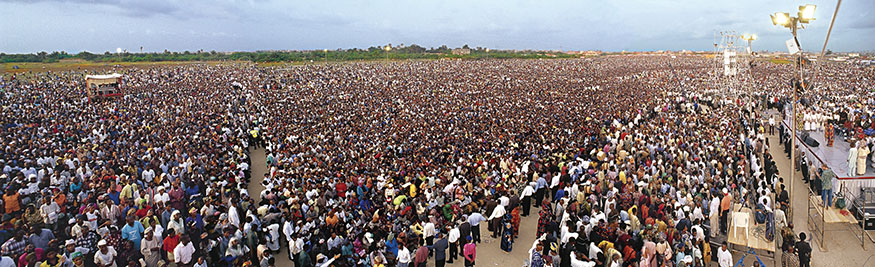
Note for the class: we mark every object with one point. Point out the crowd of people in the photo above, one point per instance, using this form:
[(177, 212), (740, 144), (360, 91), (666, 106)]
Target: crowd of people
[(624, 161)]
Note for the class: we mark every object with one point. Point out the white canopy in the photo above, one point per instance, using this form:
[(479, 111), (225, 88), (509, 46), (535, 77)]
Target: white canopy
[(103, 77)]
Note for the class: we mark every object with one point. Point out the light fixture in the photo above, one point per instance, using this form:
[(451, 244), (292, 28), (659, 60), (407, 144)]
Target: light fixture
[(753, 37), (781, 18), (745, 36), (806, 13), (388, 48)]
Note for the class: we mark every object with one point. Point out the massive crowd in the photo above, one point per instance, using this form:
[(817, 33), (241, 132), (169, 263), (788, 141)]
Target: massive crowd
[(625, 161)]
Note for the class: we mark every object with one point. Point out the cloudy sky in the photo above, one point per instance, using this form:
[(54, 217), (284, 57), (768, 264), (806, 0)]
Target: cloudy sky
[(232, 25)]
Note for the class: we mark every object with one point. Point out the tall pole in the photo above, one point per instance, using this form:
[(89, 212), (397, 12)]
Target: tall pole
[(793, 128), (830, 28)]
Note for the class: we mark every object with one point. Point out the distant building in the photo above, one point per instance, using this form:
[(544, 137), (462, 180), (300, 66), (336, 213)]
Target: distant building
[(461, 51)]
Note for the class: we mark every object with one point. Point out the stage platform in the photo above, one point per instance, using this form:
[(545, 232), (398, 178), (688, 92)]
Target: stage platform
[(835, 157)]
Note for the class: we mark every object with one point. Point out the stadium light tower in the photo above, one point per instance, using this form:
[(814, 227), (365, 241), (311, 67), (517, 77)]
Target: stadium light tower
[(805, 15)]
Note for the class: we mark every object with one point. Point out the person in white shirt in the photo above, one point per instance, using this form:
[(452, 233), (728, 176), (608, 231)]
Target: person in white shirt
[(724, 257), (713, 215), (586, 262), (453, 238), (7, 262), (527, 198), (403, 256), (184, 251), (428, 233), (105, 256)]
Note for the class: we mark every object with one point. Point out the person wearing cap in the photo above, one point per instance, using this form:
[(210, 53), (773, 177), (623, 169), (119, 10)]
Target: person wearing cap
[(105, 256), (70, 248)]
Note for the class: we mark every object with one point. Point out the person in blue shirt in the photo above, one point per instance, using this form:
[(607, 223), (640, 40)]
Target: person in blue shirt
[(540, 188), (475, 219), (133, 231)]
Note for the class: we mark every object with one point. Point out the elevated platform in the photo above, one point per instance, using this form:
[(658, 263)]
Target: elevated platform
[(755, 235)]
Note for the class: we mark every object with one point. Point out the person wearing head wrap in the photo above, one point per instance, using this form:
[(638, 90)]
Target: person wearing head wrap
[(150, 247), (176, 222), (236, 250)]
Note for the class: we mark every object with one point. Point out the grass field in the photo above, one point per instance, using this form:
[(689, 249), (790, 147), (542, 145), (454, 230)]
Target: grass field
[(78, 64), (780, 61)]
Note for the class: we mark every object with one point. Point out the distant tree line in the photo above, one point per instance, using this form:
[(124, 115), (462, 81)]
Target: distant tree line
[(371, 53)]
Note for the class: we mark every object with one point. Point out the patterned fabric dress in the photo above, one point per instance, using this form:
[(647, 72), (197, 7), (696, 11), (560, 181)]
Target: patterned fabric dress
[(830, 134), (544, 220)]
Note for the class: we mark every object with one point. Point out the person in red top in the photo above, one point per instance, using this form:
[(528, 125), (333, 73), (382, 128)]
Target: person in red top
[(170, 243), (340, 187)]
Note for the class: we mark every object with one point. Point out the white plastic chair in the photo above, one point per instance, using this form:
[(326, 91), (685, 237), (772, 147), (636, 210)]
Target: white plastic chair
[(741, 222)]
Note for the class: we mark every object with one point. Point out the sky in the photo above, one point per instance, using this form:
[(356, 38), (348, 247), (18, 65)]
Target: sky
[(29, 26)]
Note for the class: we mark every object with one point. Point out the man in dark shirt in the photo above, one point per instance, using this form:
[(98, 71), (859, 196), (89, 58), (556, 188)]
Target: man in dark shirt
[(804, 250), (464, 232), (440, 250)]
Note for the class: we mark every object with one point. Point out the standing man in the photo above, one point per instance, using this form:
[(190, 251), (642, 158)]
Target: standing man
[(133, 231), (724, 257), (826, 185), (527, 198), (465, 231), (475, 219), (440, 250), (540, 187), (453, 238), (789, 258), (421, 256), (804, 250), (852, 160), (183, 252), (771, 125), (725, 205), (150, 247)]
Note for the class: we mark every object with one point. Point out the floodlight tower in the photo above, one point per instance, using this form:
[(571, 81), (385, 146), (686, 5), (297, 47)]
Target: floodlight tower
[(805, 15), (731, 66)]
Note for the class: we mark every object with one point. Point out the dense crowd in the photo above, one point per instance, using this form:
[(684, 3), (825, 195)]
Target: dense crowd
[(625, 161)]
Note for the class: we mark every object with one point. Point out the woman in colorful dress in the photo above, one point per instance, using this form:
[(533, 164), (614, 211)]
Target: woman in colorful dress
[(830, 134)]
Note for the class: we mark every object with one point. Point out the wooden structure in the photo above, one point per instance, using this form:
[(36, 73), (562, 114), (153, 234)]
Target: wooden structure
[(103, 86)]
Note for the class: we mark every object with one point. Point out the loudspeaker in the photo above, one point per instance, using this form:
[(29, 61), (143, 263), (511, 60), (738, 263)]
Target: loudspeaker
[(811, 142)]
